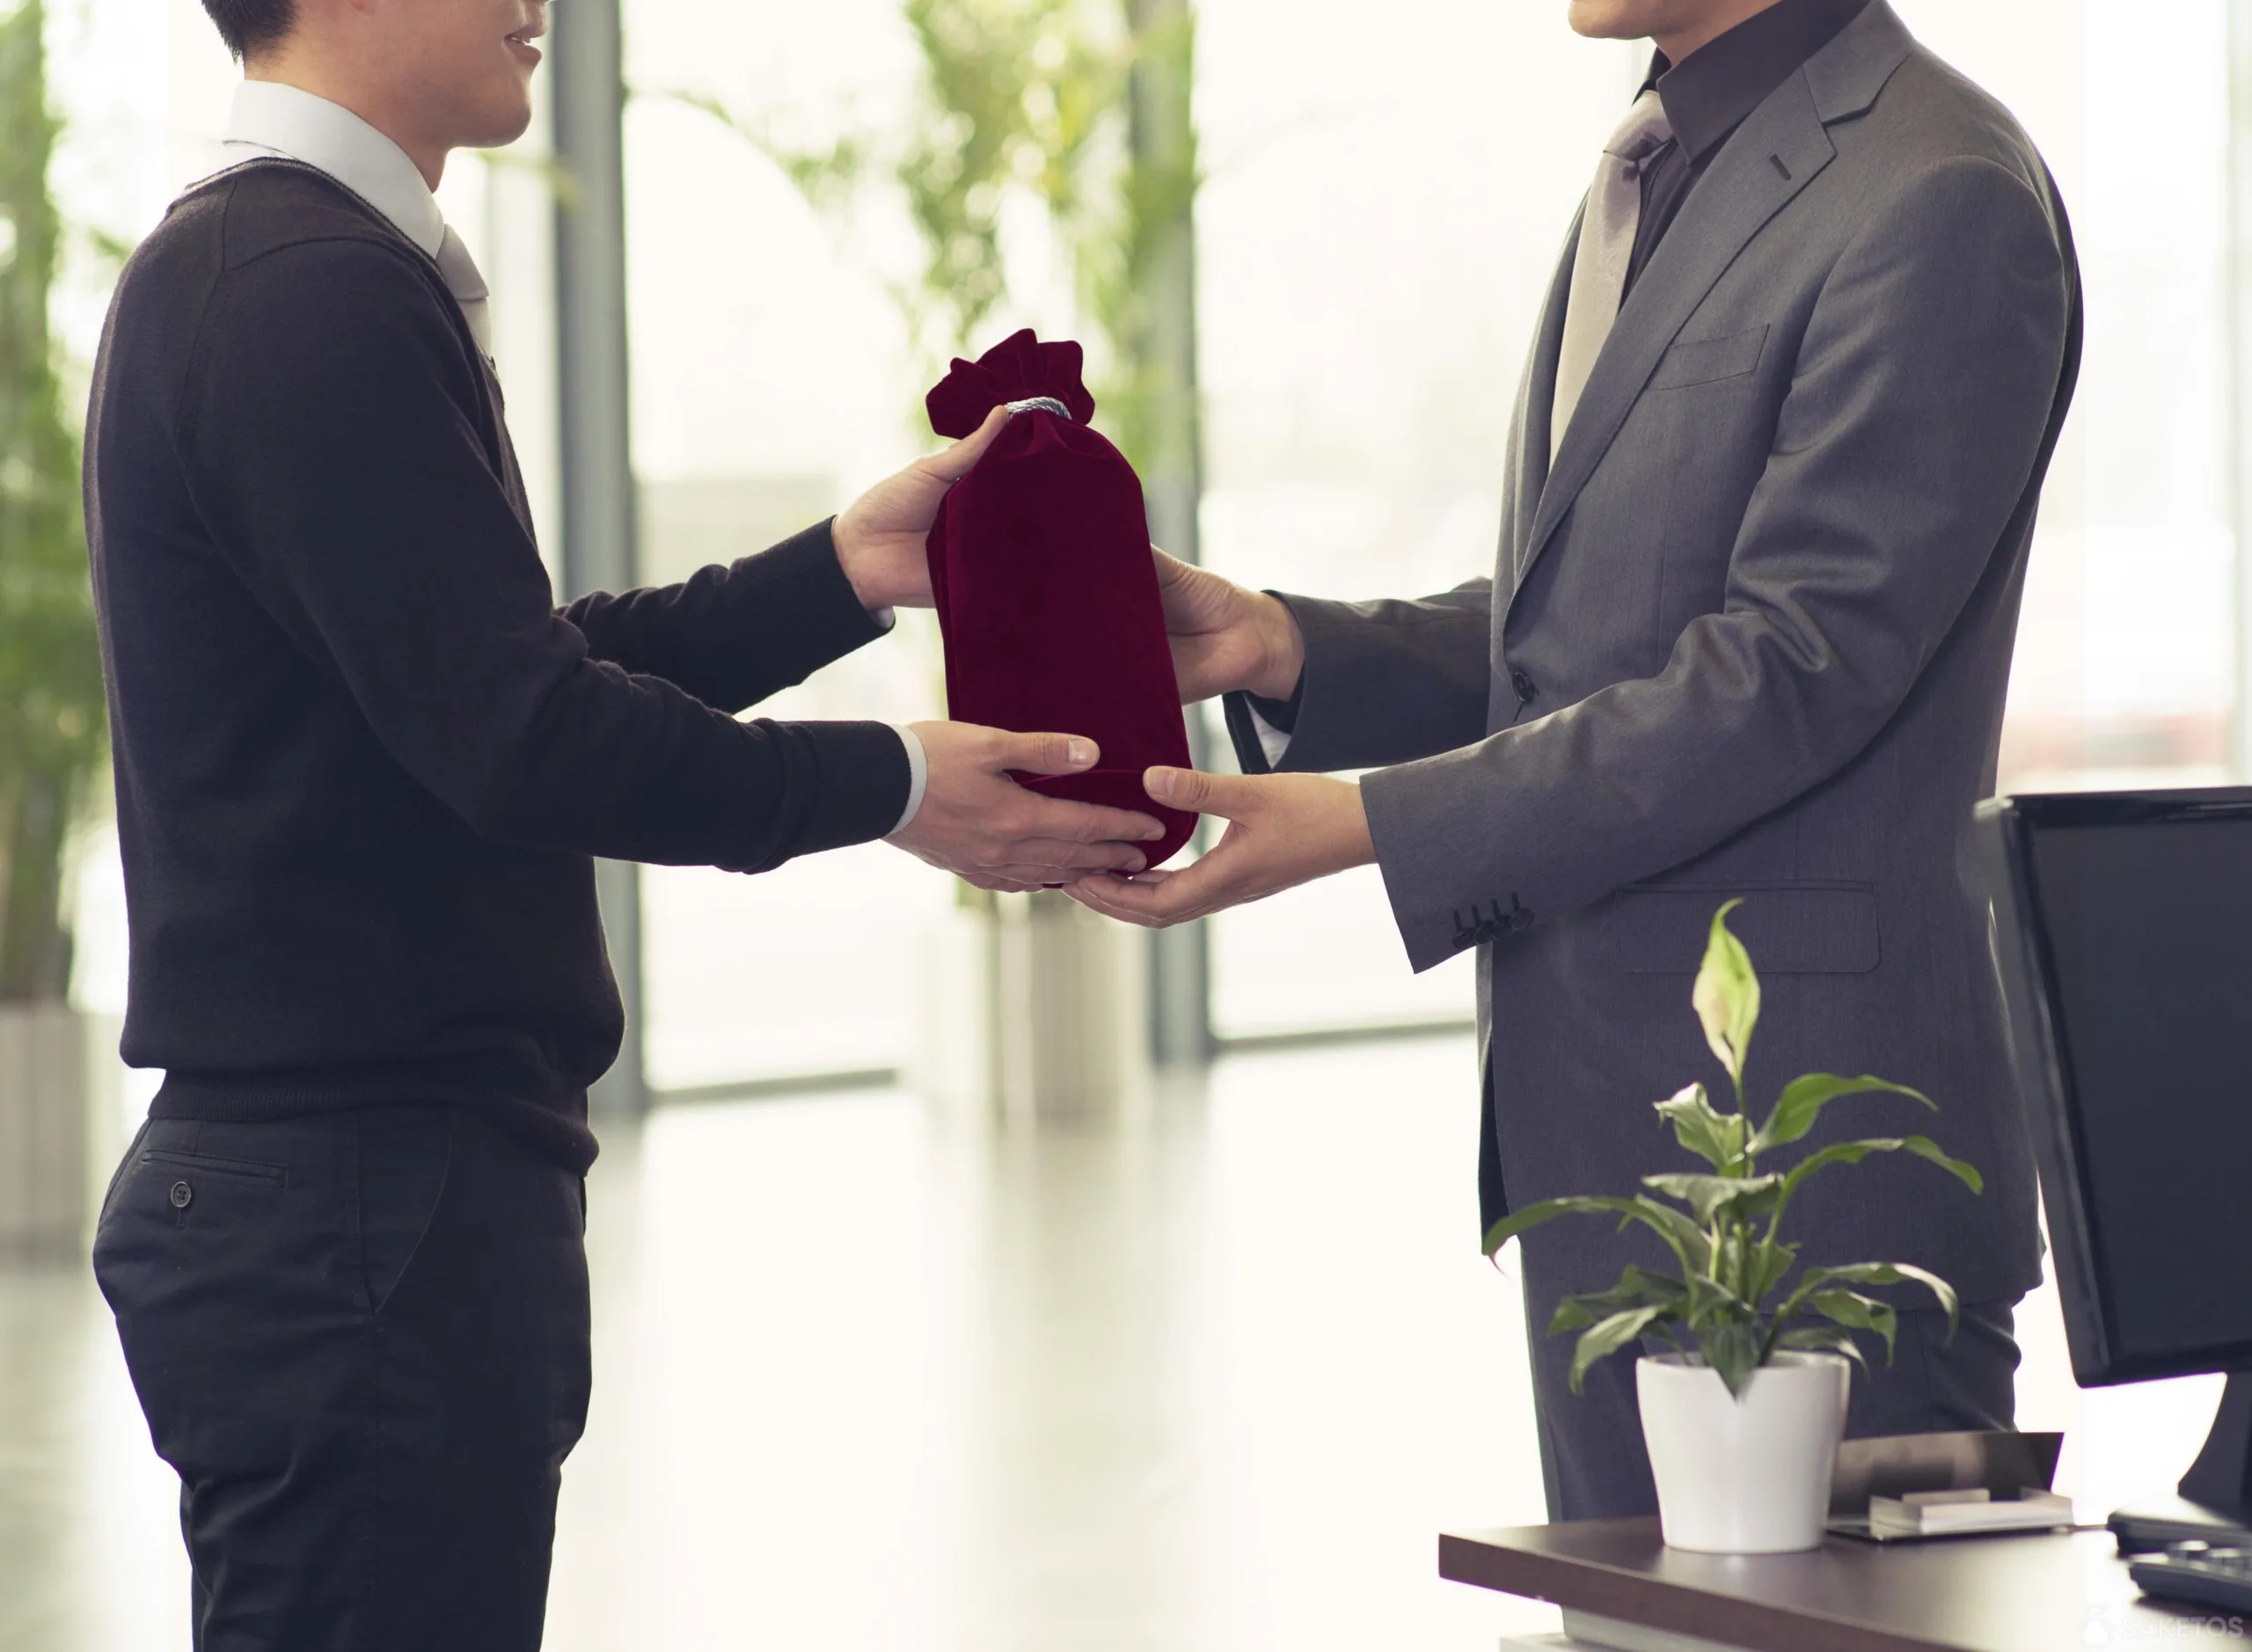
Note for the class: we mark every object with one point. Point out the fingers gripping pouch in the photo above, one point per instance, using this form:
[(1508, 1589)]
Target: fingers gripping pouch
[(1047, 595)]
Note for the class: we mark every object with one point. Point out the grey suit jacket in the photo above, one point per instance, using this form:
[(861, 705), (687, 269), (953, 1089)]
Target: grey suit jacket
[(1750, 637)]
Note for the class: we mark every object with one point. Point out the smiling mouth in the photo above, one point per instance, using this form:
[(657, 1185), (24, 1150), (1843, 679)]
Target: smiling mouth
[(520, 42)]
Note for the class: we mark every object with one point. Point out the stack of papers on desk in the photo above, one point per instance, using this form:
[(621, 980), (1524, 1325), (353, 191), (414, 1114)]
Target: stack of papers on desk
[(1937, 1514)]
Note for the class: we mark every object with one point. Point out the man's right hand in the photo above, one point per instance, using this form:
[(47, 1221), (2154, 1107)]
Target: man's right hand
[(981, 825), (1226, 638)]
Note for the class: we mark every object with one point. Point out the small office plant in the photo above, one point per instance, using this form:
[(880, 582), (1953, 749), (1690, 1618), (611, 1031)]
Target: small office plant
[(1743, 1419)]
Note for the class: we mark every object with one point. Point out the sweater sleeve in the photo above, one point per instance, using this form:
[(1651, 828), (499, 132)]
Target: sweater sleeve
[(731, 636), (335, 441)]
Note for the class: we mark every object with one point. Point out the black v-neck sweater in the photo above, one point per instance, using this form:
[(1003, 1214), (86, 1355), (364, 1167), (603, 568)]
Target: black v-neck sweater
[(363, 762)]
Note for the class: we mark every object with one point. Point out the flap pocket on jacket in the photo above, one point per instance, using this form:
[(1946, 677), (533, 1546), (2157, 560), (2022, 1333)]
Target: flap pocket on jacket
[(1787, 928), (1709, 359)]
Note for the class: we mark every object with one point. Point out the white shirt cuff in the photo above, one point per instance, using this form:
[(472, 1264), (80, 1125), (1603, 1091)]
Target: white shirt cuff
[(918, 774), (1272, 740)]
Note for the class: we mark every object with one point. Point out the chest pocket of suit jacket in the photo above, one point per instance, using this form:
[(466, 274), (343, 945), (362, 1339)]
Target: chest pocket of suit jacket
[(1709, 360)]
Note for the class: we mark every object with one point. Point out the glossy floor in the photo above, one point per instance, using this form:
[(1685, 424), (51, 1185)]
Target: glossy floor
[(1213, 1379)]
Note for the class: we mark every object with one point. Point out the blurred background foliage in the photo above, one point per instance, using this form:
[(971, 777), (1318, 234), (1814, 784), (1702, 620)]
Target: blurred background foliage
[(53, 726), (1081, 106)]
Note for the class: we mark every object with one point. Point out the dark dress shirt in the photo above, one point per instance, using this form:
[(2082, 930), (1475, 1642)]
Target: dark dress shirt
[(1709, 93)]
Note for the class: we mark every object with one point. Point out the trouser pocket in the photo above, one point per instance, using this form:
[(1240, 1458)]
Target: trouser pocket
[(404, 1159), (124, 1164)]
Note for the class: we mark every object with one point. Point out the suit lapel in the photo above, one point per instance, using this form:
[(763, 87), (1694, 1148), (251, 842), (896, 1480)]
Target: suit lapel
[(1775, 154), (1536, 400)]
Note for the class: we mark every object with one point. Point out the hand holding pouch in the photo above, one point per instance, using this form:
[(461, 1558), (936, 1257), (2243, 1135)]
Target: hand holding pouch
[(1046, 591)]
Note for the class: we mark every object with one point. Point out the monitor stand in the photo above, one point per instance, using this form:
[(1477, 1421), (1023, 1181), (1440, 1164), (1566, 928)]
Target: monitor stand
[(2216, 1500)]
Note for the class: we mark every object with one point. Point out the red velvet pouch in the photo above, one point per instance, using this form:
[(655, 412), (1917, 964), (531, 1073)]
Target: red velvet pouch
[(1047, 596)]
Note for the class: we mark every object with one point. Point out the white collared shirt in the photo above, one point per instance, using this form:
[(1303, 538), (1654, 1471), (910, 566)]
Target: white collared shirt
[(270, 118)]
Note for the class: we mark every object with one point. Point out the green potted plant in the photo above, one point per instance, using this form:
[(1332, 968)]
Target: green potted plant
[(52, 725), (1744, 1417)]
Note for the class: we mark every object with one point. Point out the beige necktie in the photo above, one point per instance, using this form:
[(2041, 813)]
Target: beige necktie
[(1615, 208), (467, 285)]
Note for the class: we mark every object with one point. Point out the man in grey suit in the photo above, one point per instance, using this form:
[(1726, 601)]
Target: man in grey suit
[(1771, 482)]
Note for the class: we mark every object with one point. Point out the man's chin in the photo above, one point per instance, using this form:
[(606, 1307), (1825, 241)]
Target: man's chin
[(501, 128), (1603, 20)]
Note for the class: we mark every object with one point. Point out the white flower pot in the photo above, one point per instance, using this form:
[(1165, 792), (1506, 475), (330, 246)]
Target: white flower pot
[(1748, 1476)]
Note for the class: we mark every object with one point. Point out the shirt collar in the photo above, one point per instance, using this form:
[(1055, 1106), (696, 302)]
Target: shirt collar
[(1708, 94), (270, 118)]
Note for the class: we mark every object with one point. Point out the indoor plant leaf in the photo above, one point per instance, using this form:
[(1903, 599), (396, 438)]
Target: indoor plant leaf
[(1803, 1099), (1547, 1210), (1709, 1302), (1817, 1279), (1683, 1237), (1634, 1290), (1769, 1261), (1715, 1136), (1734, 1350), (1727, 994), (1608, 1337), (1824, 1339), (1689, 1243), (1857, 1313), (1923, 1147), (1720, 1198), (1853, 1152)]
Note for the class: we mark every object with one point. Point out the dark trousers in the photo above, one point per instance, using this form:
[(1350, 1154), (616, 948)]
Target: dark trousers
[(361, 1340), (1591, 1458)]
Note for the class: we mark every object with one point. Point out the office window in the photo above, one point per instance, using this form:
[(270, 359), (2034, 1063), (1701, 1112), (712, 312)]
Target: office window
[(1385, 210), (772, 381), (1384, 203)]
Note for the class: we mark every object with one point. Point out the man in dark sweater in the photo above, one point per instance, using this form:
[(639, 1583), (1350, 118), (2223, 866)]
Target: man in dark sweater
[(362, 766)]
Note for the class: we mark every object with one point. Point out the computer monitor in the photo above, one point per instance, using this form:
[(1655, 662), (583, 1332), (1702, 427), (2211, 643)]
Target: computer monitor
[(2124, 935)]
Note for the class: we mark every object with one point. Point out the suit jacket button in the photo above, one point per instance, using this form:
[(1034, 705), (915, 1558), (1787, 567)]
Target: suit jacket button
[(1527, 688)]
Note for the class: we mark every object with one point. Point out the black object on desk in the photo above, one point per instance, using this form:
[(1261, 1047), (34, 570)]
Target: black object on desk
[(2123, 930), (2199, 1571)]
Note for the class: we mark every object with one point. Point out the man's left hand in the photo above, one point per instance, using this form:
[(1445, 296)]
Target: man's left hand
[(882, 536), (1284, 830)]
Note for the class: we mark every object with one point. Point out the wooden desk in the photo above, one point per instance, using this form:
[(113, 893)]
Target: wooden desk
[(1622, 1589)]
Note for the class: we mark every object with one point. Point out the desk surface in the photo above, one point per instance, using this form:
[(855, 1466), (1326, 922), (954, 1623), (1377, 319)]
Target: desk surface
[(2046, 1593)]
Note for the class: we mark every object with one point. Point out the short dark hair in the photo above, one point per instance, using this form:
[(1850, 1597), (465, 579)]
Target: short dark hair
[(246, 26)]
